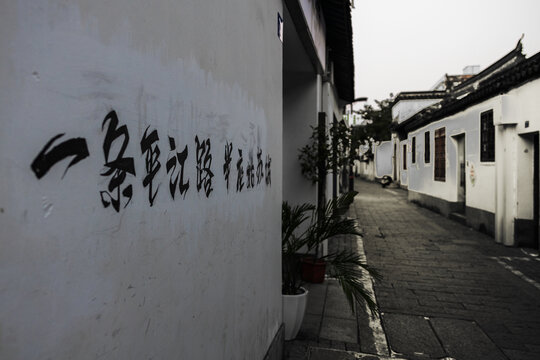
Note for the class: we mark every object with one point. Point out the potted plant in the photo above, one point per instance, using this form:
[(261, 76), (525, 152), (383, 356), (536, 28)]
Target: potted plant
[(304, 228), (326, 222), (327, 151), (294, 296)]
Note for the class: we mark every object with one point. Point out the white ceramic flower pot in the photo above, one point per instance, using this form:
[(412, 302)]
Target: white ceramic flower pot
[(294, 308)]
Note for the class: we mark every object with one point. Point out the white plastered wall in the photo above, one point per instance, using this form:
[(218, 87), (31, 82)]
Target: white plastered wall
[(504, 187), (383, 158), (193, 277), (479, 175), (404, 109)]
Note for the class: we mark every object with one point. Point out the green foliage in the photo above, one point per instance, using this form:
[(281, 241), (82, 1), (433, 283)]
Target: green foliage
[(311, 155), (378, 127), (305, 226), (333, 153), (292, 241)]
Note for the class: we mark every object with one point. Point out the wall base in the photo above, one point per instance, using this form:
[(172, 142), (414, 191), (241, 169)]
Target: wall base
[(435, 204), (275, 351), (481, 220), (524, 233)]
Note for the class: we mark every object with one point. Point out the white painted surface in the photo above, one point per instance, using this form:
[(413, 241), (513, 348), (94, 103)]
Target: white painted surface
[(366, 169), (404, 109), (193, 278), (299, 114), (503, 187), (480, 189), (317, 28), (294, 309), (526, 107), (525, 169), (383, 159)]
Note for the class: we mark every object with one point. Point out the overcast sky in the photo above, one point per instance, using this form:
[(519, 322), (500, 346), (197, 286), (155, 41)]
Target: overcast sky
[(406, 45)]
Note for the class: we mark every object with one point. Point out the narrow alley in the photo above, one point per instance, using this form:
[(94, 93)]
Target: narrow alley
[(447, 291)]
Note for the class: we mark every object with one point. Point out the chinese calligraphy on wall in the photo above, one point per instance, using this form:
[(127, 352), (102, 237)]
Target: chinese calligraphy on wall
[(119, 166)]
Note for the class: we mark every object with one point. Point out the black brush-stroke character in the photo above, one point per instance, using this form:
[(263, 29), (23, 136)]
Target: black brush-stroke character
[(267, 169), (240, 168), (151, 150), (180, 158), (118, 166), (204, 162), (259, 166), (46, 158), (250, 173), (227, 163)]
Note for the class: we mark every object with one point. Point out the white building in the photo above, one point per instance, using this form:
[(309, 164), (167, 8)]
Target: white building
[(474, 155), (318, 81), (145, 152)]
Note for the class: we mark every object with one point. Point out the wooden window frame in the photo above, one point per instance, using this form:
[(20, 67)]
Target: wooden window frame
[(427, 148), (487, 137), (404, 157), (440, 155)]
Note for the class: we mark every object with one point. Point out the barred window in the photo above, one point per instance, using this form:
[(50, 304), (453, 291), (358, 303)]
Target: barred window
[(413, 150), (427, 148), (440, 154), (404, 156), (487, 137)]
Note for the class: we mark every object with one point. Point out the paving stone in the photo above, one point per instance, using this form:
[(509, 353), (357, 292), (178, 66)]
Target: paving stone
[(310, 327), (521, 355), (336, 303), (338, 329), (411, 336), (316, 298), (432, 256), (464, 340), (329, 354)]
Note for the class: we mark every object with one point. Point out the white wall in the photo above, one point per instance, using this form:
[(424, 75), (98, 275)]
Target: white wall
[(480, 187), (404, 109), (317, 28), (299, 113), (366, 169), (383, 158), (192, 278)]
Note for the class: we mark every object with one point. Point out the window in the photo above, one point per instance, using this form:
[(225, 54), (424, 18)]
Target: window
[(440, 154), (487, 137), (404, 156), (427, 148), (413, 150)]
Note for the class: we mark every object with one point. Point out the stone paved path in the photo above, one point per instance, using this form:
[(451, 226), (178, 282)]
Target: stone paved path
[(448, 291)]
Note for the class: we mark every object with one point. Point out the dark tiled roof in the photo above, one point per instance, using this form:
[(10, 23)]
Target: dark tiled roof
[(419, 95), (519, 74), (337, 16), (514, 56)]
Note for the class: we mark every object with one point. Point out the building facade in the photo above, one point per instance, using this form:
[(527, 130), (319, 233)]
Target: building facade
[(474, 154), (141, 179), (145, 152)]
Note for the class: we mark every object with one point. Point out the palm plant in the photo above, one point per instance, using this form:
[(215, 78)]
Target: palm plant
[(305, 227)]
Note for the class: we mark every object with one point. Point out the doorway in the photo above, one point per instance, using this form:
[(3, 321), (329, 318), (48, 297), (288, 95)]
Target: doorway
[(461, 169)]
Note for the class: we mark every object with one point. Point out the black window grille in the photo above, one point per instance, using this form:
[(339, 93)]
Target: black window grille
[(487, 137), (413, 150), (440, 154), (427, 148), (404, 156)]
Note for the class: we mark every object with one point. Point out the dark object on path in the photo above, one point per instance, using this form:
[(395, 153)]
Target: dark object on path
[(385, 181)]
